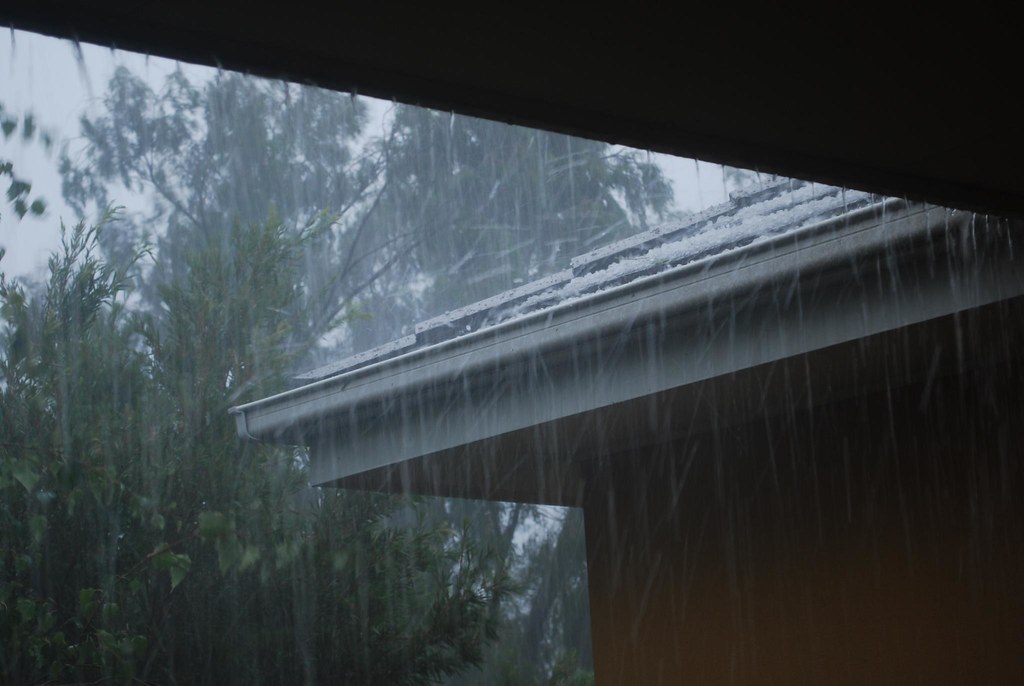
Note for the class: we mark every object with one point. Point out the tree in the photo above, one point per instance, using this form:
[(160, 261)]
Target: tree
[(140, 543), (460, 208), (739, 180), (545, 632), (493, 206), (233, 150), (436, 212)]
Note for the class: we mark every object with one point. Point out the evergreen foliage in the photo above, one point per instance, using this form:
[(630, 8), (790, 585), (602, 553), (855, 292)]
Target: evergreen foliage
[(140, 543), (139, 540)]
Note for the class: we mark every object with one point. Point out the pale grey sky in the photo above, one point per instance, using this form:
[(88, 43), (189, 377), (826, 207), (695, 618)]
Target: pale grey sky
[(58, 82)]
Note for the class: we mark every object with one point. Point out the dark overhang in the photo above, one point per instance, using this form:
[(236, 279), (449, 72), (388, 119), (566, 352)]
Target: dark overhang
[(918, 106)]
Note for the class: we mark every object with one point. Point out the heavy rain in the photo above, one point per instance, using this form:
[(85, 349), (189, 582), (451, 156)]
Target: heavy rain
[(300, 386)]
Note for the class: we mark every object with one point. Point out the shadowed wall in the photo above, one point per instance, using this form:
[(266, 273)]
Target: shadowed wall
[(878, 539)]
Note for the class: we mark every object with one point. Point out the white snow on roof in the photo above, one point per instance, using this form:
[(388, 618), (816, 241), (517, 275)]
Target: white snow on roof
[(744, 221), (751, 224)]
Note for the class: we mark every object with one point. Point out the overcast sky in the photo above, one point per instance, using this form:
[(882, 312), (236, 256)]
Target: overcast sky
[(58, 82)]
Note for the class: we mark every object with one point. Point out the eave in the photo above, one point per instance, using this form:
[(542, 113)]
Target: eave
[(910, 105), (526, 394)]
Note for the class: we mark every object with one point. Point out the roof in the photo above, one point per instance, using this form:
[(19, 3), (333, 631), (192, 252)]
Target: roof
[(582, 361), (744, 221)]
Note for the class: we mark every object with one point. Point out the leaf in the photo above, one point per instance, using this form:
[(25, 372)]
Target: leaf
[(37, 525), (229, 551), (107, 639), (87, 601), (26, 609), (178, 573), (18, 188), (249, 557), (139, 644), (175, 563), (110, 612), (25, 474), (214, 525), (8, 127), (37, 207), (28, 128)]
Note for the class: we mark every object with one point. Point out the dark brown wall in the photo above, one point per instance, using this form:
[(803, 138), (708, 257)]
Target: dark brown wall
[(876, 540)]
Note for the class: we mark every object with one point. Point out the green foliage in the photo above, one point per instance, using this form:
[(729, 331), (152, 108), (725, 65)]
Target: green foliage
[(140, 543), (230, 152), (463, 206), (460, 207), (567, 673), (545, 635), (19, 190)]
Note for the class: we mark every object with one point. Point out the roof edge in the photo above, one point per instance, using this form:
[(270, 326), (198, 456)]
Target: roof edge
[(835, 246)]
